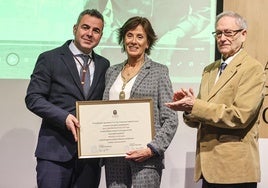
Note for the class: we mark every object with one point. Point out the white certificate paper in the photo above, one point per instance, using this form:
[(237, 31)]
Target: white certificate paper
[(112, 128)]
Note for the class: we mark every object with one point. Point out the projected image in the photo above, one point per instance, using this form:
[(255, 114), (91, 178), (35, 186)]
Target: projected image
[(185, 43), (30, 28), (184, 28)]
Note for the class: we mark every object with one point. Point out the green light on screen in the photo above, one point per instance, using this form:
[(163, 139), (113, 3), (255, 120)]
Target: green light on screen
[(185, 43)]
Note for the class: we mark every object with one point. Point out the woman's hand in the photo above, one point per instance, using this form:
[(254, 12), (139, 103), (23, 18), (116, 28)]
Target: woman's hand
[(140, 155)]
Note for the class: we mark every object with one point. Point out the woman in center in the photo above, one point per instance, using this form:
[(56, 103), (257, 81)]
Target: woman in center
[(140, 77)]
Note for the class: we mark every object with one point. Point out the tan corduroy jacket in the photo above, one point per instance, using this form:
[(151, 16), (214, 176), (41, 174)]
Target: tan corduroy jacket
[(225, 114)]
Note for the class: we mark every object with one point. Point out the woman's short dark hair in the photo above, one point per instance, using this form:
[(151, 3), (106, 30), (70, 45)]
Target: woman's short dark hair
[(131, 24)]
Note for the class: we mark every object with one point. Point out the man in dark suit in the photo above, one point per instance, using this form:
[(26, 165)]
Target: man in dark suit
[(54, 88)]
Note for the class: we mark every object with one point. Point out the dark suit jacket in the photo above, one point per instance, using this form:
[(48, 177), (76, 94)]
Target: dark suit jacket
[(52, 93)]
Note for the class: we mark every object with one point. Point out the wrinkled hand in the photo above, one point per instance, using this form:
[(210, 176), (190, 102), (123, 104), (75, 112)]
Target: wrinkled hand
[(139, 155), (178, 95), (183, 100), (72, 124)]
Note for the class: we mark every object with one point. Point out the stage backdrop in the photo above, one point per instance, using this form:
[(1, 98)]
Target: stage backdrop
[(185, 45)]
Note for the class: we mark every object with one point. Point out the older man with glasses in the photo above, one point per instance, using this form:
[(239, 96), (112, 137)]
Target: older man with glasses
[(225, 112)]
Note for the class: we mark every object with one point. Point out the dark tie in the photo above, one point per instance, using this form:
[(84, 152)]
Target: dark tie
[(85, 74), (222, 67)]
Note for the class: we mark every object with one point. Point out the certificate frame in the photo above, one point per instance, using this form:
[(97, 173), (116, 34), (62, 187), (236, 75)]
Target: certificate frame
[(112, 128)]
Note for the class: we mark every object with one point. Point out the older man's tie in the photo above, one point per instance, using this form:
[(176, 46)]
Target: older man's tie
[(222, 67)]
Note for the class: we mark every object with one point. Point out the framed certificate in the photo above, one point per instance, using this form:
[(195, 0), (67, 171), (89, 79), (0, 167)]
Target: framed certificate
[(112, 128)]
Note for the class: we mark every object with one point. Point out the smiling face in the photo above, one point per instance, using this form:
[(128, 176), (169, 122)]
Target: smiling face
[(87, 33), (136, 42), (228, 46)]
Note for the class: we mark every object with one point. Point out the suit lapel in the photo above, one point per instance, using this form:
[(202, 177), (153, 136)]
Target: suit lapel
[(117, 69), (143, 73), (227, 74), (68, 60)]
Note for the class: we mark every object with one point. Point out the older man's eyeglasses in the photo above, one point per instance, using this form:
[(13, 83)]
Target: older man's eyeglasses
[(227, 33)]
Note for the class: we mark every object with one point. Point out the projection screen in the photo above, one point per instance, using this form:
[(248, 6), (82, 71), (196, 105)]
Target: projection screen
[(184, 29)]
